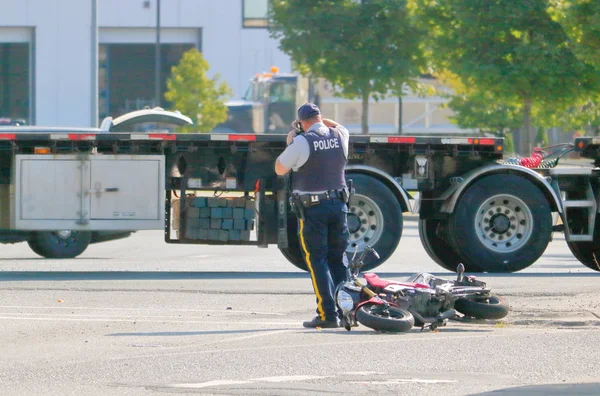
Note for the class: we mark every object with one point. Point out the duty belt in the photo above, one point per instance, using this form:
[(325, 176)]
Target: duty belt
[(299, 202), (330, 194)]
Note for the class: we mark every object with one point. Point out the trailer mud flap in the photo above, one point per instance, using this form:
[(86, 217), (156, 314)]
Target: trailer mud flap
[(282, 215), (261, 208)]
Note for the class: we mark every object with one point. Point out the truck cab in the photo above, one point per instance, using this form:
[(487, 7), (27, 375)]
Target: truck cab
[(268, 105)]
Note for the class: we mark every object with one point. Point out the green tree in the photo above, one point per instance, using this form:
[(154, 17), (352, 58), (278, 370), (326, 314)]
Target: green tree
[(365, 49), (194, 94), (516, 50), (581, 20)]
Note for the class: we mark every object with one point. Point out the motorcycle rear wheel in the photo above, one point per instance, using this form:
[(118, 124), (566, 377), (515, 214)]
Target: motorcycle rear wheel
[(385, 319), (494, 307)]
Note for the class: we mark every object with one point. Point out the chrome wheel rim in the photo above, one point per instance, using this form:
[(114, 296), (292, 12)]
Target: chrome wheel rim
[(64, 237), (365, 222), (504, 223)]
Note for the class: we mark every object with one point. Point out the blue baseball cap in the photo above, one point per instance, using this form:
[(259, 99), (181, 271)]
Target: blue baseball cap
[(308, 111)]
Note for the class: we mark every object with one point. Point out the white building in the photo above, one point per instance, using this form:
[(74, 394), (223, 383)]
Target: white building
[(48, 54)]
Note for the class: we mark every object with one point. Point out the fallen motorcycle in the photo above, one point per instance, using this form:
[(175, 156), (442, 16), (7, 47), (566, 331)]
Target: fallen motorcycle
[(433, 300), (359, 304)]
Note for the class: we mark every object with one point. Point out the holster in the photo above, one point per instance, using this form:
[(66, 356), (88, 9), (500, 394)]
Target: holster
[(297, 206)]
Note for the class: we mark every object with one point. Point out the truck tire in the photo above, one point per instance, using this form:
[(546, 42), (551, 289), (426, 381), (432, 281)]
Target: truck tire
[(588, 253), (374, 219), (293, 253), (59, 244), (502, 223), (437, 248), (367, 223)]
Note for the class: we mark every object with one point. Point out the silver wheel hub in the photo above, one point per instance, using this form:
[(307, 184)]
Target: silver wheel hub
[(365, 222), (504, 223), (64, 234)]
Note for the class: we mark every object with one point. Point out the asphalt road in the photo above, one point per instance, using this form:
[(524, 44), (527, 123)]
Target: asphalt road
[(139, 316)]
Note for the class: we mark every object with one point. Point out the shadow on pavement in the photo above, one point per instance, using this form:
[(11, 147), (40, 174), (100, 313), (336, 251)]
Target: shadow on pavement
[(191, 333), (6, 276), (551, 389)]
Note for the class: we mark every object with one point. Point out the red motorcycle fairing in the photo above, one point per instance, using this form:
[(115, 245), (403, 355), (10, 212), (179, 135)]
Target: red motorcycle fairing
[(373, 300), (376, 281)]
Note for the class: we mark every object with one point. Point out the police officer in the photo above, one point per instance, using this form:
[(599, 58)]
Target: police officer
[(317, 158)]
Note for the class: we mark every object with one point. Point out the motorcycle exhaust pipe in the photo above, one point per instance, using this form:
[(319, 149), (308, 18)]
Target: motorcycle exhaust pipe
[(447, 315), (430, 319)]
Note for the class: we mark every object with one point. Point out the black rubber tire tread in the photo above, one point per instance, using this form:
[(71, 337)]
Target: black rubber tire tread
[(463, 236), (392, 214), (438, 249), (495, 308), (44, 244), (293, 252), (588, 253), (34, 246), (402, 320), (387, 243)]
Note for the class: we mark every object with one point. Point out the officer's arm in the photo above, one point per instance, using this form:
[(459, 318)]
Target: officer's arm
[(330, 123), (280, 169), (294, 156)]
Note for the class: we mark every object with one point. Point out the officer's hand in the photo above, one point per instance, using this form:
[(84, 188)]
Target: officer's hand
[(290, 137)]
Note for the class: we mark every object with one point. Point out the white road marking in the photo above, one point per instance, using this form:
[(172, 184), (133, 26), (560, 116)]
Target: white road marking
[(291, 378), (362, 373), (137, 309), (371, 341), (288, 378), (134, 319), (209, 384), (25, 315), (396, 381)]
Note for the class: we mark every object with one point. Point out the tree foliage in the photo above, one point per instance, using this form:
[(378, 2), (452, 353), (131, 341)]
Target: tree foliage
[(480, 109), (366, 48), (194, 94), (581, 20), (511, 51)]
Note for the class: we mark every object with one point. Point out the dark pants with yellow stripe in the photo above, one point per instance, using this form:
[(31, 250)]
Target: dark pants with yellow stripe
[(324, 237)]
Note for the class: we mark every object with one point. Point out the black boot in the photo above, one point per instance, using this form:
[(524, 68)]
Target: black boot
[(318, 322)]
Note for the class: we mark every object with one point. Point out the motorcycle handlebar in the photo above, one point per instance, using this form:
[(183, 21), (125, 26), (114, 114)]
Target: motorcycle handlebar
[(364, 253)]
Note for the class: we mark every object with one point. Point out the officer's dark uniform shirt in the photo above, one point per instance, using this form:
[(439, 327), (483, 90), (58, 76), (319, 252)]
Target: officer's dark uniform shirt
[(328, 151)]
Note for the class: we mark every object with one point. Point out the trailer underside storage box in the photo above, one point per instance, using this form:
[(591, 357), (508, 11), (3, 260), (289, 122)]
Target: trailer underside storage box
[(91, 192)]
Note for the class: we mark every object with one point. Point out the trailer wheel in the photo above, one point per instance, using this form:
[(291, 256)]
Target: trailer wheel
[(374, 219), (437, 248), (502, 223), (588, 253), (293, 253), (60, 244)]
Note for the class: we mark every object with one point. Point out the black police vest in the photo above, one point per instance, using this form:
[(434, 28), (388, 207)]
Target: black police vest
[(324, 169)]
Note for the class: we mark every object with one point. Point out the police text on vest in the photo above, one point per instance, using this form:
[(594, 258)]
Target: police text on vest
[(326, 144)]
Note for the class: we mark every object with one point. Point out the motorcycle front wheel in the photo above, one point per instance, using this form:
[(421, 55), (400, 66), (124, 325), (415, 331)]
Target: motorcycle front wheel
[(385, 319), (493, 307)]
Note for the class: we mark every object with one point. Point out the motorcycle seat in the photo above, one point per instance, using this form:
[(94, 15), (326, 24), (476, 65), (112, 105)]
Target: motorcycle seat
[(376, 281)]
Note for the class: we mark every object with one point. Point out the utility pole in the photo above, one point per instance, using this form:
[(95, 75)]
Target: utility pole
[(157, 57)]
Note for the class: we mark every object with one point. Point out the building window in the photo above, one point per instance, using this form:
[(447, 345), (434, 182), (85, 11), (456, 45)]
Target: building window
[(15, 88), (126, 76), (254, 13)]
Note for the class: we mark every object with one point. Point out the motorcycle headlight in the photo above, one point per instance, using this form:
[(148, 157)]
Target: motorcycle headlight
[(345, 301)]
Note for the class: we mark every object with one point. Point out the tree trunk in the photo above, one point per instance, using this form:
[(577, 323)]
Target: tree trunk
[(527, 132), (364, 119), (399, 115)]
